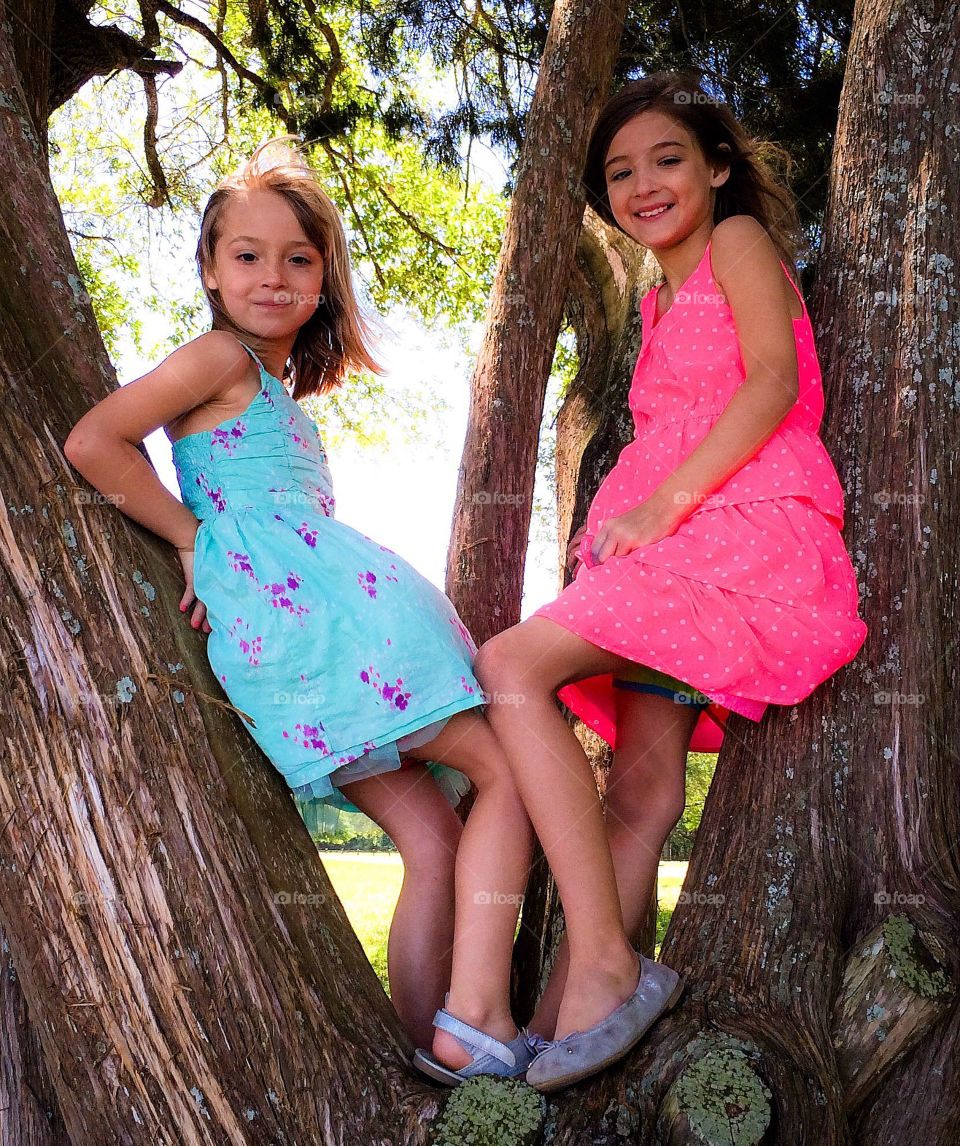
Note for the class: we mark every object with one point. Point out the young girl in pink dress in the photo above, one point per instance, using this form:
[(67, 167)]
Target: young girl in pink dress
[(712, 572)]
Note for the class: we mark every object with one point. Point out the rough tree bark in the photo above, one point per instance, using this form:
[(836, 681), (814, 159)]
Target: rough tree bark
[(822, 964), (29, 1112), (491, 517), (177, 942)]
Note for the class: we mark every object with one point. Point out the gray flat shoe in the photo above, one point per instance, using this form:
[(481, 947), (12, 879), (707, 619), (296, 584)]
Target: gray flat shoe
[(583, 1053), (490, 1056)]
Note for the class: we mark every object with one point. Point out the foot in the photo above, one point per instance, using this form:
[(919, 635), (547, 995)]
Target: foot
[(486, 1054), (582, 1054), (591, 995), (450, 1051)]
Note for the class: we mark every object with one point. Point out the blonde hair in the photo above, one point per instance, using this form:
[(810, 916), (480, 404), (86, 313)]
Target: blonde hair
[(337, 336)]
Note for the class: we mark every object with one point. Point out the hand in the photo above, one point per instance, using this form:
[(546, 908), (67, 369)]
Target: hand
[(573, 546), (199, 618), (646, 524)]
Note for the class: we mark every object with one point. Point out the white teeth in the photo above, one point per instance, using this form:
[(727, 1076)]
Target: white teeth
[(653, 214)]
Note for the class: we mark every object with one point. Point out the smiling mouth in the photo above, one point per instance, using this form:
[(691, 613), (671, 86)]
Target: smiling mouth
[(654, 214)]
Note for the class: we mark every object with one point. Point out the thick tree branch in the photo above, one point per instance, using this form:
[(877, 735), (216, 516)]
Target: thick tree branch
[(80, 50)]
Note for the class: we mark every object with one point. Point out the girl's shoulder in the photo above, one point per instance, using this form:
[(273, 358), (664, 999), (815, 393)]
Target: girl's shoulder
[(740, 243), (217, 350), (746, 266)]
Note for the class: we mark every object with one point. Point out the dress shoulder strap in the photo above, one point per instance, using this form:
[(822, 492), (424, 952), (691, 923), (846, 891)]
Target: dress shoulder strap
[(254, 357)]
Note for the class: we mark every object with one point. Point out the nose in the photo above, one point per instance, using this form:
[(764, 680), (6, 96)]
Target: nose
[(272, 273), (643, 184)]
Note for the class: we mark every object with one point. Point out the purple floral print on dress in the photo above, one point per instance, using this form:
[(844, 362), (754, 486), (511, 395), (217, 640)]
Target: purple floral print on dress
[(241, 564), (464, 633), (309, 535), (251, 648), (308, 736), (301, 442), (392, 693), (326, 502), (215, 495), (367, 582), (229, 439), (281, 595)]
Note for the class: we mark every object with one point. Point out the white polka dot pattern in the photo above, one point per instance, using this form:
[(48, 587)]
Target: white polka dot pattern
[(754, 599)]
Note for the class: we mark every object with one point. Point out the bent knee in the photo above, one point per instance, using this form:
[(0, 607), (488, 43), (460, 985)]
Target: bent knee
[(433, 847), (503, 662), (631, 804), (495, 659)]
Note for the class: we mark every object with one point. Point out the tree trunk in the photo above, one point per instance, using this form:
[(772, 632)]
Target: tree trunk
[(491, 518), (189, 973), (29, 1113), (890, 327), (818, 938)]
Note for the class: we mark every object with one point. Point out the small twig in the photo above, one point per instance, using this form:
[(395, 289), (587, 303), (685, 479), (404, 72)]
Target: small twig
[(180, 685)]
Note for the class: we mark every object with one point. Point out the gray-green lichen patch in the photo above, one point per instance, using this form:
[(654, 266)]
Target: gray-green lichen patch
[(125, 690), (488, 1111), (71, 622), (200, 1101), (80, 296), (912, 961), (720, 1097), (69, 534), (148, 590)]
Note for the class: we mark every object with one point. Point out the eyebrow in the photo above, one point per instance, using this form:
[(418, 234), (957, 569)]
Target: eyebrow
[(291, 243), (656, 147)]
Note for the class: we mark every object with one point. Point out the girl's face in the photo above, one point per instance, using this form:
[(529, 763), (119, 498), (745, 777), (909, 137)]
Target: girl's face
[(659, 183), (268, 273)]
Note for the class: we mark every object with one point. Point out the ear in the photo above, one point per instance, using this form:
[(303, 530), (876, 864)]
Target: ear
[(720, 173), (210, 280)]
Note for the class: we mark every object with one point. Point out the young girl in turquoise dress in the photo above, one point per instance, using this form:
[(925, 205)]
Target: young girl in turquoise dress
[(354, 669)]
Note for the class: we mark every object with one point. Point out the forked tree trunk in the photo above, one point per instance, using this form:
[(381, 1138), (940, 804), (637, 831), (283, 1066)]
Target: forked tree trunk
[(491, 519), (819, 933), (190, 975)]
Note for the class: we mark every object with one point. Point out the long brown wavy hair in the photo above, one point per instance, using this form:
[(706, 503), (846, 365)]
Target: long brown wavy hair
[(337, 337), (752, 188)]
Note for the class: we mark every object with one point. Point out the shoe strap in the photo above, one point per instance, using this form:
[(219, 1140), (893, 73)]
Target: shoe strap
[(472, 1039)]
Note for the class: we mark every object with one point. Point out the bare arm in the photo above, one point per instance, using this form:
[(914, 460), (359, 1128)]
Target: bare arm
[(103, 444), (747, 268)]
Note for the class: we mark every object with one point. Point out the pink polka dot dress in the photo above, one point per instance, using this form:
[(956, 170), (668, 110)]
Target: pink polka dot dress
[(753, 600)]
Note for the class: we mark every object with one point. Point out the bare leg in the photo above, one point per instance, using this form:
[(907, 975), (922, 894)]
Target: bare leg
[(558, 789), (416, 815), (645, 799), (493, 864)]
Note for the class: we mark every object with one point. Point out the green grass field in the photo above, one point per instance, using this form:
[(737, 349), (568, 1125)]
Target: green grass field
[(368, 885)]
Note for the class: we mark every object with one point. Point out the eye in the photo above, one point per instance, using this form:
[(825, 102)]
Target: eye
[(304, 261), (245, 255), (617, 176), (671, 159)]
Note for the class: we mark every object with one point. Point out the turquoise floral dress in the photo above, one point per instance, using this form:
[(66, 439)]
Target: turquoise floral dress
[(340, 654)]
